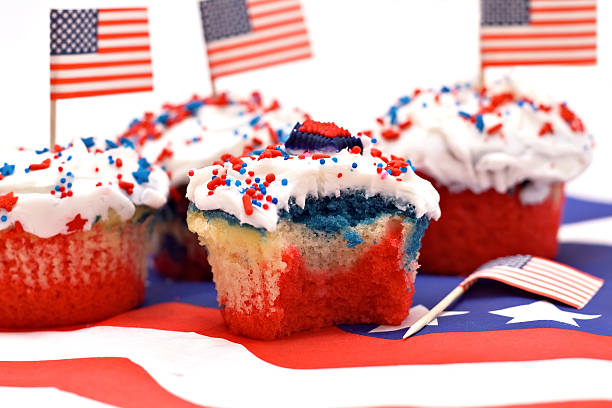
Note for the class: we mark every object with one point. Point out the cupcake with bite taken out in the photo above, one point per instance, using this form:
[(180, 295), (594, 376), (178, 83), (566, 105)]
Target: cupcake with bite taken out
[(193, 134), (499, 158), (311, 233), (74, 223)]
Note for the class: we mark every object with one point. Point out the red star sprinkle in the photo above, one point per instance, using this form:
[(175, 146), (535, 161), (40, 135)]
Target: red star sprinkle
[(8, 201), (76, 224)]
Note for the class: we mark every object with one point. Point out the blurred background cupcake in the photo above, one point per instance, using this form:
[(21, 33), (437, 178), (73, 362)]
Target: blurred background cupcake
[(499, 158), (74, 228), (194, 134)]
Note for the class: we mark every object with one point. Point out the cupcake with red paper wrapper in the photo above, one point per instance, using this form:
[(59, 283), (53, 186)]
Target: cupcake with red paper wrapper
[(74, 223), (318, 231), (195, 134), (499, 158)]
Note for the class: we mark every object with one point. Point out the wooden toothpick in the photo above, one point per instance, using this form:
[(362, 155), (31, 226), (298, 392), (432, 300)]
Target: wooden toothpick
[(52, 123)]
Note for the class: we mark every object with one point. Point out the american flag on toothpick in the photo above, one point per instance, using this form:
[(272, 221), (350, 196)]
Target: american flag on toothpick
[(243, 35), (99, 52), (531, 273), (538, 32)]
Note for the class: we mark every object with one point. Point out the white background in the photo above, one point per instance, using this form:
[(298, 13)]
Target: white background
[(366, 54)]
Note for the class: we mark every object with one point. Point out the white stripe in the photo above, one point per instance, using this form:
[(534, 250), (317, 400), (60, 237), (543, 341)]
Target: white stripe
[(574, 15), (260, 60), (84, 58), (563, 28), (262, 8), (523, 281), (212, 45), (87, 72), (584, 286), (102, 85), (539, 42), (123, 15), (542, 278), (275, 18), (538, 55), (257, 48), (574, 3), (596, 283), (180, 362), (127, 28), (124, 42)]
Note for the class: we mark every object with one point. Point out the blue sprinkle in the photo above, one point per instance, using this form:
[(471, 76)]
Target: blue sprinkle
[(424, 104), (59, 154), (390, 172), (193, 106), (57, 188), (257, 203), (164, 168), (404, 100), (242, 170), (275, 200), (125, 142), (254, 201), (244, 164), (354, 165), (228, 182), (254, 121), (163, 118), (322, 161), (110, 160), (142, 162), (237, 183), (62, 180), (380, 164), (257, 179), (3, 218), (134, 122), (374, 140), (284, 182), (393, 115), (479, 123), (89, 142), (69, 158), (445, 89), (141, 175), (7, 169), (213, 177), (69, 174), (410, 164), (465, 115), (335, 159), (263, 190), (27, 170), (110, 145), (195, 139), (244, 136), (404, 169), (520, 103), (45, 150), (69, 185), (235, 132)]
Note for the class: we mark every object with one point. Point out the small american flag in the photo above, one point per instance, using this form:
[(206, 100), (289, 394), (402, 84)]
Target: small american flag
[(538, 32), (99, 52), (243, 35), (541, 276)]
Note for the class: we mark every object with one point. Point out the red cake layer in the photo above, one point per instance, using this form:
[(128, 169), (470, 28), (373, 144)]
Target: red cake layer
[(69, 279), (475, 228), (376, 289)]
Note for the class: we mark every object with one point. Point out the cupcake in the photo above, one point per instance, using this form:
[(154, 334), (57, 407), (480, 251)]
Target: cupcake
[(74, 223), (499, 158), (313, 233), (196, 134)]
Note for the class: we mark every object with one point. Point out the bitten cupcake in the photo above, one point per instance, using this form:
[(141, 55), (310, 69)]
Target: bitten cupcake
[(74, 223), (316, 232), (196, 134), (499, 158)]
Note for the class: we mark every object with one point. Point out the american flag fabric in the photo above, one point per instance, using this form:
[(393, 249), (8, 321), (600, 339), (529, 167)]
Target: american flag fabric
[(243, 35), (542, 276), (99, 52), (497, 346), (538, 32)]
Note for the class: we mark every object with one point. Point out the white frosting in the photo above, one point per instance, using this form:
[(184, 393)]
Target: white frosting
[(308, 177), (44, 214), (215, 130), (453, 151)]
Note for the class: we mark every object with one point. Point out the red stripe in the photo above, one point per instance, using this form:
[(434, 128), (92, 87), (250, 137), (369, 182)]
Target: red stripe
[(542, 35), (260, 2), (58, 81), (81, 94), (123, 22), (587, 282), (267, 64), (548, 48), (273, 12), (100, 64), (562, 278), (585, 61), (561, 287), (112, 36), (278, 24), (563, 266), (259, 54), (564, 22), (215, 50), (119, 10), (110, 50), (562, 9)]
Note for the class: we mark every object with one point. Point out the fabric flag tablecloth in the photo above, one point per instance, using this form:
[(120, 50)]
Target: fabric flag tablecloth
[(496, 346)]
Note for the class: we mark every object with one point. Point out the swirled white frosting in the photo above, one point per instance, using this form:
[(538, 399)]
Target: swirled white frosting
[(297, 177), (84, 183), (212, 129), (466, 140)]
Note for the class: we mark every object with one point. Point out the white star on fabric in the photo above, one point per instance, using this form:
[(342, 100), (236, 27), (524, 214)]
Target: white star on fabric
[(539, 311), (415, 314)]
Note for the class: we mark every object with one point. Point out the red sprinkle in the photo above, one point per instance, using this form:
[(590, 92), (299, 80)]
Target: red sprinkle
[(212, 184), (215, 172), (390, 134), (251, 192), (265, 206), (494, 128), (128, 187), (247, 204), (191, 173), (356, 150), (8, 201), (339, 175), (98, 184), (270, 177), (546, 128), (44, 165), (119, 162), (251, 173), (405, 125), (269, 198)]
